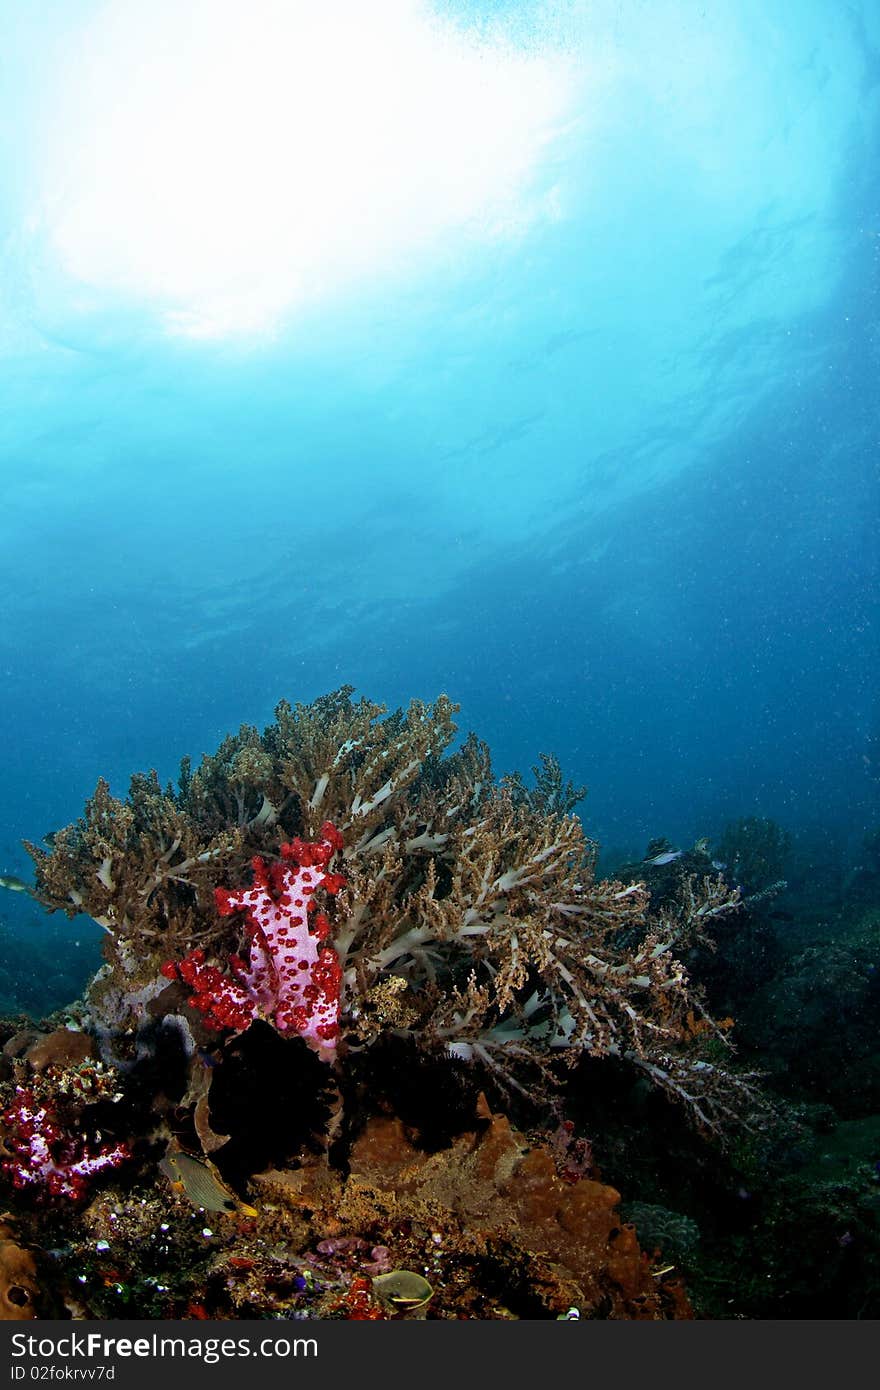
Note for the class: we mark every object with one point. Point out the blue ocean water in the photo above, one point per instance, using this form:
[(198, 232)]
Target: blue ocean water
[(526, 352)]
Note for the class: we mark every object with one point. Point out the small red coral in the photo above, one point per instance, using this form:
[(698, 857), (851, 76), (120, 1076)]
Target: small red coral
[(44, 1155)]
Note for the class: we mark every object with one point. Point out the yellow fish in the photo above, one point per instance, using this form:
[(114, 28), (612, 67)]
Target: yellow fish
[(201, 1183)]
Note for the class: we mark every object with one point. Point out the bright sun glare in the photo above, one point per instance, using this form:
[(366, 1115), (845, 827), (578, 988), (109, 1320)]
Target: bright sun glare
[(227, 162)]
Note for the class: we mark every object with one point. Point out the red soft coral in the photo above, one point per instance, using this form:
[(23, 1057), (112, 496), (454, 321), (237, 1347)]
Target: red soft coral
[(43, 1154), (292, 976)]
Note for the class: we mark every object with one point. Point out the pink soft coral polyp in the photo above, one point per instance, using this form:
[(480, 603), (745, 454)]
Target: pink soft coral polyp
[(45, 1155), (292, 976)]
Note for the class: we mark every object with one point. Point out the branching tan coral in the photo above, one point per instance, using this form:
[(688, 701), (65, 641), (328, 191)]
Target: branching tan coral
[(471, 919)]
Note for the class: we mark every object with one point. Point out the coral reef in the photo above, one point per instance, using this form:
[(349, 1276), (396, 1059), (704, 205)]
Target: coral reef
[(487, 1223), (470, 919), (316, 929), (495, 1206), (827, 992), (670, 1233), (755, 851)]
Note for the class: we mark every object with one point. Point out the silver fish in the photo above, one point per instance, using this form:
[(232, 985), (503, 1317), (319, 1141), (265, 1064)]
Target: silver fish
[(14, 883)]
